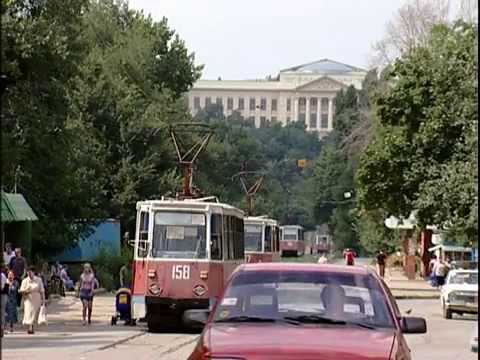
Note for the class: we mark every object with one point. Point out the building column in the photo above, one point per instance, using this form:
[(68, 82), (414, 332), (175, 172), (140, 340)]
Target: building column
[(319, 113), (330, 114), (307, 112), (295, 109)]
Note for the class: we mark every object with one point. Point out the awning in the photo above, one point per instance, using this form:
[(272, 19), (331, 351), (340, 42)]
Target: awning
[(451, 248), (16, 208)]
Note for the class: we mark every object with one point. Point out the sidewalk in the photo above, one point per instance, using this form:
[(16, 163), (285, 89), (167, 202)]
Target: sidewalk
[(402, 288), (65, 337)]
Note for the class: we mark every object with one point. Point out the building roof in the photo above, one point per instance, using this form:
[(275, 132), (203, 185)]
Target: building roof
[(324, 66), (15, 208)]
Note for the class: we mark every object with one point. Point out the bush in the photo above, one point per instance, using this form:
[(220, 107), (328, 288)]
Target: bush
[(107, 267)]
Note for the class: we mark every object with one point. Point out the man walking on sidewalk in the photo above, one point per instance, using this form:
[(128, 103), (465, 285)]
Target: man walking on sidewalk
[(381, 257)]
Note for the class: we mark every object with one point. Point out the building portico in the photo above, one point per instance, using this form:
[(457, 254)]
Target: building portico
[(294, 96)]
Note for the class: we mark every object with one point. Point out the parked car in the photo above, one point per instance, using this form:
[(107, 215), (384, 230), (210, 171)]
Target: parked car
[(460, 293), (474, 340), (306, 311)]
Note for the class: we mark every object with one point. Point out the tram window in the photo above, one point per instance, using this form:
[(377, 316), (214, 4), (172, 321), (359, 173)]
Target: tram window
[(231, 237), (268, 239), (277, 239), (240, 240), (216, 236), (143, 234)]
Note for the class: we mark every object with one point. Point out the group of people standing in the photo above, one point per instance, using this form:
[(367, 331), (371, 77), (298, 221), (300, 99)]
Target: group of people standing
[(21, 285), (438, 270)]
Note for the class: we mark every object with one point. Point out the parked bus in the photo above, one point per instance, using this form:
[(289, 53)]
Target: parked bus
[(291, 240), (185, 250), (262, 239)]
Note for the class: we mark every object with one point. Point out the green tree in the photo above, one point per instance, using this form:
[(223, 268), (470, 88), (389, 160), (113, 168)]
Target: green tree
[(423, 155)]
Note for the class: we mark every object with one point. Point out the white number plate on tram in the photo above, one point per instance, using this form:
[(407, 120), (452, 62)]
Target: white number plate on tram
[(181, 272)]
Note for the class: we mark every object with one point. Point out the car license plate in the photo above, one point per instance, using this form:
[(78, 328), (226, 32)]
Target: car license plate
[(123, 299)]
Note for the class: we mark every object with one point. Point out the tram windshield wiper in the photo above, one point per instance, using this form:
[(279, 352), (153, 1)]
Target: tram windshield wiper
[(317, 319)]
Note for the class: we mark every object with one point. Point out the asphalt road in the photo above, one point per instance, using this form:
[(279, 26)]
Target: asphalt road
[(445, 340)]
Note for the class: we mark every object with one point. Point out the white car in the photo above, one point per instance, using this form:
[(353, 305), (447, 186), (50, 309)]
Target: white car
[(460, 293)]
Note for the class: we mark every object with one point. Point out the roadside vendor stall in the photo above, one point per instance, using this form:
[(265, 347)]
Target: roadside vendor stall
[(16, 222)]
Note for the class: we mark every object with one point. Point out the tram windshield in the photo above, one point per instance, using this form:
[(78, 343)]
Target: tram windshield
[(179, 235), (253, 238), (290, 234)]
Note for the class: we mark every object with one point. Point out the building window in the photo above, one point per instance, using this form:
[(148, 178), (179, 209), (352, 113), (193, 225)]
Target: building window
[(274, 104), (289, 104), (302, 118), (274, 119), (263, 121), (313, 121), (241, 103), (324, 122), (219, 101), (302, 101), (230, 104), (325, 105), (252, 103), (263, 104), (208, 101), (288, 119), (196, 103), (251, 120)]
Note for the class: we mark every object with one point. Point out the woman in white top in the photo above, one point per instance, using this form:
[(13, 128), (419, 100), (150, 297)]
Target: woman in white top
[(88, 283), (34, 297)]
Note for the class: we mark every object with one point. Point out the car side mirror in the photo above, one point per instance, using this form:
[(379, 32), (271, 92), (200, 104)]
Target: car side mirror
[(413, 325), (196, 317)]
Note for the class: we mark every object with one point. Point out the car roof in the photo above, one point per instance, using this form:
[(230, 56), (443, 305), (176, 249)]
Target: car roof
[(308, 267)]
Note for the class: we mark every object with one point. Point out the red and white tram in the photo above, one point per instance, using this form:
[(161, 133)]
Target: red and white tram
[(291, 240), (185, 250), (262, 239), (320, 245)]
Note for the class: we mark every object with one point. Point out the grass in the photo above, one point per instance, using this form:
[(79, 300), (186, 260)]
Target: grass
[(307, 258)]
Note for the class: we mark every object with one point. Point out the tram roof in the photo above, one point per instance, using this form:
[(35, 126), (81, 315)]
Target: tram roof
[(292, 226), (260, 219), (201, 204)]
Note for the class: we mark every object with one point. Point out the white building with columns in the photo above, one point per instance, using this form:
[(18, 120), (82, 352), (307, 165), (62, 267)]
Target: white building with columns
[(301, 93)]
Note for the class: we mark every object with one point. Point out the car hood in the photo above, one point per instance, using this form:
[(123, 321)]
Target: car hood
[(282, 342), (460, 287)]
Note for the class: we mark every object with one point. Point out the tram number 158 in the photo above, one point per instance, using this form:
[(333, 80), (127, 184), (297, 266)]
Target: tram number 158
[(181, 272)]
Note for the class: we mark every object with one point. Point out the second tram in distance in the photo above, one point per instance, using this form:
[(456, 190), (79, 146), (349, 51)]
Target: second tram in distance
[(262, 239), (291, 240)]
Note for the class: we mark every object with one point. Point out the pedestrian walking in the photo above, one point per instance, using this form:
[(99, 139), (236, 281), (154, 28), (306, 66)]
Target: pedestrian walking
[(3, 300), (8, 254), (349, 256), (33, 295), (88, 283), (12, 313), (18, 264), (126, 275), (381, 258), (441, 270)]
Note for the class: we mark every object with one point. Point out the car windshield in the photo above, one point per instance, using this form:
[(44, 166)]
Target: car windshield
[(253, 238), (307, 298), (464, 278), (179, 235)]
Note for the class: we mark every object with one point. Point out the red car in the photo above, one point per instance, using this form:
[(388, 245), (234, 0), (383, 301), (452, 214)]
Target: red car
[(304, 311)]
